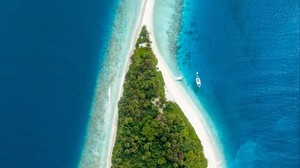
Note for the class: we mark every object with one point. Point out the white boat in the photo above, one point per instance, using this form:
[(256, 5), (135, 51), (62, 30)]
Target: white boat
[(179, 78), (198, 81)]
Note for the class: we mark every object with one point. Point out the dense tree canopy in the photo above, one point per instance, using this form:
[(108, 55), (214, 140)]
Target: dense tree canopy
[(152, 132)]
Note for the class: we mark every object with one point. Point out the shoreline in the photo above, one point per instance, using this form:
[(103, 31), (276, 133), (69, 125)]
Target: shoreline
[(178, 94), (114, 127), (102, 123), (174, 92)]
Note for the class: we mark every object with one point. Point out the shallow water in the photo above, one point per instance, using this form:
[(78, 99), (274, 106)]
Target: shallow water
[(247, 54), (96, 151), (166, 25)]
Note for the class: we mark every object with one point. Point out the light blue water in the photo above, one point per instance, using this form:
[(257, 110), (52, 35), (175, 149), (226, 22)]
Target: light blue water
[(97, 152), (247, 54), (50, 54)]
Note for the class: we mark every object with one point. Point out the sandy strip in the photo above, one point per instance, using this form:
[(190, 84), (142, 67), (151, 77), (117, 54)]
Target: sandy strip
[(178, 93), (130, 52), (174, 92)]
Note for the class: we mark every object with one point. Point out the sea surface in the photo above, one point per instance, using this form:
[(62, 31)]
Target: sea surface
[(103, 115), (247, 55), (50, 55), (56, 55)]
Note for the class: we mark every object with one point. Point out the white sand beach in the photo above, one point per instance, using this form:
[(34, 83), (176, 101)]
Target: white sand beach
[(174, 92), (126, 67), (102, 125)]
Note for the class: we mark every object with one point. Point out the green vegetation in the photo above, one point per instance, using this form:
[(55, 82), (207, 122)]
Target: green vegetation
[(152, 132)]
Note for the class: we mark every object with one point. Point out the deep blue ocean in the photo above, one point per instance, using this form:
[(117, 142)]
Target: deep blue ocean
[(247, 54), (246, 51), (50, 55)]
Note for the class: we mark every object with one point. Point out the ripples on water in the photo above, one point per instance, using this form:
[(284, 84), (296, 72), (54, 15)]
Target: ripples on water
[(247, 53)]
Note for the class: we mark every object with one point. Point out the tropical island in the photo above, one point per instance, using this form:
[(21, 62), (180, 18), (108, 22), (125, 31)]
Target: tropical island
[(152, 132)]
